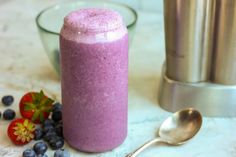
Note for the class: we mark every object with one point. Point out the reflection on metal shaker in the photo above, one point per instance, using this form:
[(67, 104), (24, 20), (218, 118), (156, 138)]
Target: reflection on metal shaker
[(188, 35), (200, 57), (224, 65)]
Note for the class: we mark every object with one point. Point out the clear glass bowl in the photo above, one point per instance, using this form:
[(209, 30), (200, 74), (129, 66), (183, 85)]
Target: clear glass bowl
[(50, 20)]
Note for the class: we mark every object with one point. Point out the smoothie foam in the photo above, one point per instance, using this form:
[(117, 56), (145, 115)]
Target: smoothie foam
[(93, 25)]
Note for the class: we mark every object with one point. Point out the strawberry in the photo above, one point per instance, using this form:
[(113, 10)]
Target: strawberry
[(21, 131), (35, 106)]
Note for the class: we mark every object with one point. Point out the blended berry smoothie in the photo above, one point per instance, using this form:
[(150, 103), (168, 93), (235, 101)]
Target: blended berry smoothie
[(94, 79)]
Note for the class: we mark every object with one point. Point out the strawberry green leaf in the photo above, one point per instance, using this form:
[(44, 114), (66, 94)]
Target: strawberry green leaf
[(41, 117), (46, 102), (42, 102), (26, 122), (37, 97), (47, 109), (35, 115), (33, 96), (40, 95), (29, 106), (40, 105)]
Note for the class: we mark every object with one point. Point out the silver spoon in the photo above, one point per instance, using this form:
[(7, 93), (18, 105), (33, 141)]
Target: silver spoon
[(176, 130)]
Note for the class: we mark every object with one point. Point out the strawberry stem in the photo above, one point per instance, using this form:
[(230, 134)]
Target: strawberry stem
[(39, 105)]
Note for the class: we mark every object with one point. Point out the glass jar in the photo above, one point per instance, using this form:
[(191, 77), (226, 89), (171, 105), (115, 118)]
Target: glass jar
[(94, 79)]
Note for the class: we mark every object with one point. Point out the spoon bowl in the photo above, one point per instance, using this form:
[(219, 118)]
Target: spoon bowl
[(176, 130), (181, 126)]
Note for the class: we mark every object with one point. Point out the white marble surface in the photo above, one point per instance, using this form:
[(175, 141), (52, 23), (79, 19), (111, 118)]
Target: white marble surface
[(24, 66)]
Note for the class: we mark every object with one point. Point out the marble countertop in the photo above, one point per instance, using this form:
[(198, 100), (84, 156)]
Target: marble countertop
[(24, 66)]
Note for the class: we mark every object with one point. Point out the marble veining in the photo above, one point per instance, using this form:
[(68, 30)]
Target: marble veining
[(24, 66)]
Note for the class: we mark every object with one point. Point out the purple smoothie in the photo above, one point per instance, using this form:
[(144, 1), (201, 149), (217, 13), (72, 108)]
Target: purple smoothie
[(94, 79)]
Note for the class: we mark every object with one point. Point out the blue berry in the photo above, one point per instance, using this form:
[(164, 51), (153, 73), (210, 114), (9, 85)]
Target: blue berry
[(49, 135), (57, 107), (59, 123), (9, 114), (48, 122), (48, 128), (61, 153), (40, 148), (59, 130), (29, 153), (42, 155), (38, 134), (56, 143), (57, 116), (7, 100)]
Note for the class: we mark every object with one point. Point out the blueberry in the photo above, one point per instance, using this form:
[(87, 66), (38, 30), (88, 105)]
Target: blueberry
[(57, 116), (49, 135), (56, 143), (29, 153), (57, 107), (61, 153), (59, 123), (9, 114), (42, 155), (48, 122), (54, 139), (40, 148), (48, 128), (38, 134), (7, 100), (59, 130)]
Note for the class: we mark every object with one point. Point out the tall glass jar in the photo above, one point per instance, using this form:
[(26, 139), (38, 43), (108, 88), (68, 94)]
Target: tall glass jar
[(94, 79)]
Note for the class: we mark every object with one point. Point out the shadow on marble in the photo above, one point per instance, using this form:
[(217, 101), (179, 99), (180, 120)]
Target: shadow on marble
[(47, 74), (145, 86)]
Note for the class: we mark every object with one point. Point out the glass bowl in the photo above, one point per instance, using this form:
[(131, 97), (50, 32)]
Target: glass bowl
[(50, 20)]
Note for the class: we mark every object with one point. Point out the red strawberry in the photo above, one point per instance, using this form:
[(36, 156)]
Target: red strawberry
[(21, 131), (35, 106)]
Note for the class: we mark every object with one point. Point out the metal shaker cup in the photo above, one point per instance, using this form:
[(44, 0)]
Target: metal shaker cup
[(188, 35), (224, 65)]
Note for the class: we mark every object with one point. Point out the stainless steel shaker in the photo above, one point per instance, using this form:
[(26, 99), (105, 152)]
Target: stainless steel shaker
[(200, 69), (224, 58), (188, 34)]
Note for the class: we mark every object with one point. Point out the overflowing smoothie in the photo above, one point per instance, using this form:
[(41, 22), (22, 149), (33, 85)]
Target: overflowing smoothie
[(94, 78)]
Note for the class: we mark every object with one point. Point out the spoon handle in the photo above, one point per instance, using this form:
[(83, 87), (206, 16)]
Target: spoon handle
[(143, 147)]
